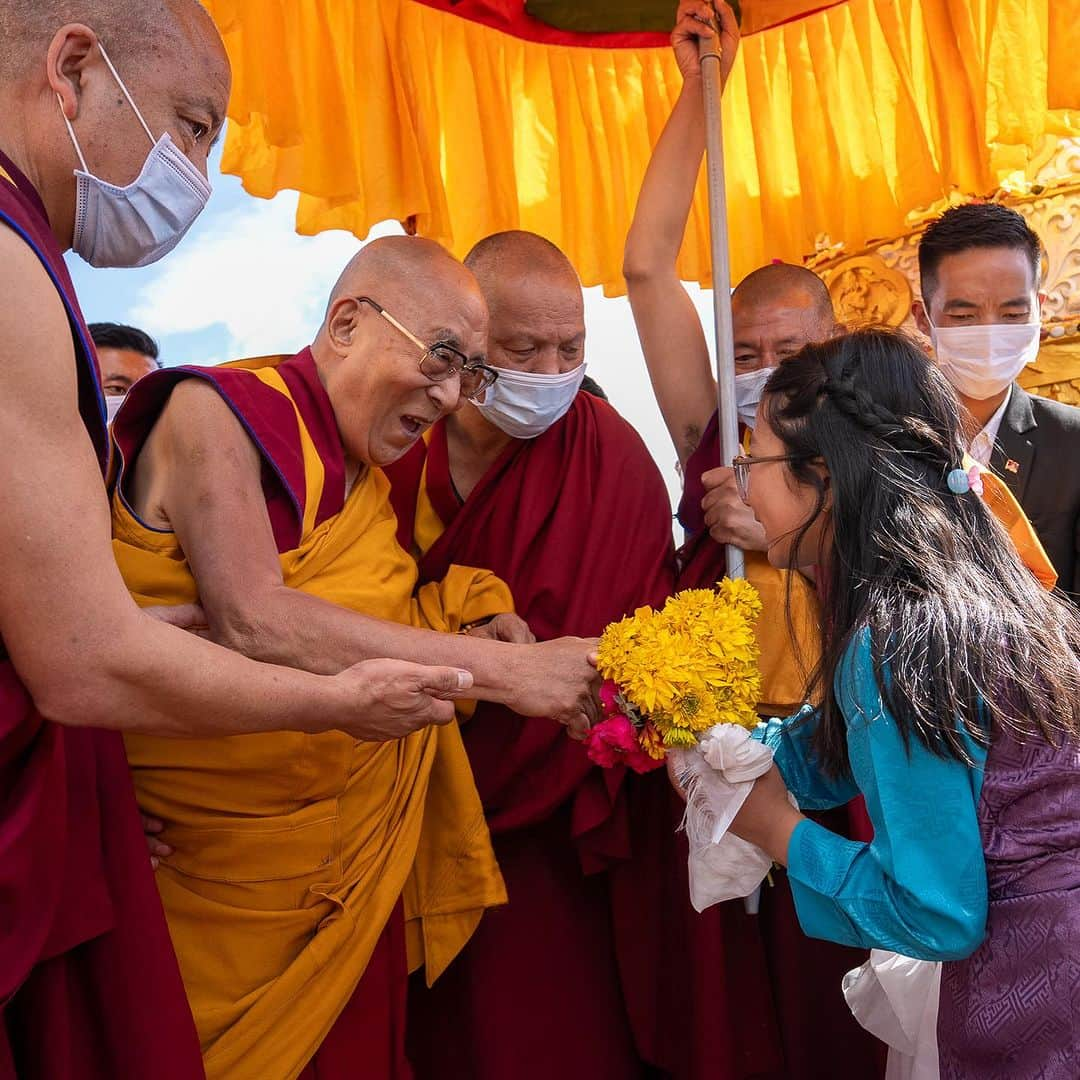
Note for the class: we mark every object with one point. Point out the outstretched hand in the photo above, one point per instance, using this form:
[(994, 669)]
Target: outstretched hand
[(694, 22), (558, 679), (394, 698)]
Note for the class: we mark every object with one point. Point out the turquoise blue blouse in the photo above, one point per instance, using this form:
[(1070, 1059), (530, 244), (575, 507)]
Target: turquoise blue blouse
[(919, 888)]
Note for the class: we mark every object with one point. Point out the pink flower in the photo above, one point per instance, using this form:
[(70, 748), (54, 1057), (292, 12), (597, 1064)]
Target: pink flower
[(642, 762), (609, 698), (610, 741)]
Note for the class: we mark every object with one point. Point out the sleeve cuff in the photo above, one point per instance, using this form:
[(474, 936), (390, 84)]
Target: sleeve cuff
[(819, 862)]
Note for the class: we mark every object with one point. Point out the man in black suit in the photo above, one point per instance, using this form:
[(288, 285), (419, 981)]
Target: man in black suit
[(980, 269)]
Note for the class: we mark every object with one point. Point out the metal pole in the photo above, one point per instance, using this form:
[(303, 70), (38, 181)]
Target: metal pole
[(721, 266), (721, 275)]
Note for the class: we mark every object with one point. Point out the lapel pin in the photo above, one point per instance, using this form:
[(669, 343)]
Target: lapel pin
[(1012, 466)]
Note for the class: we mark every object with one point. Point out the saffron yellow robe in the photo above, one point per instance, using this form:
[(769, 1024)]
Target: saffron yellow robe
[(292, 850)]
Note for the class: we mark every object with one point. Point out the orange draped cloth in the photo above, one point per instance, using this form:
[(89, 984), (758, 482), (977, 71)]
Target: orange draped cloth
[(463, 118), (293, 851)]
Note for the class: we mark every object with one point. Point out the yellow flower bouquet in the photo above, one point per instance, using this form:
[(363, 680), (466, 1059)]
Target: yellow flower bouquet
[(671, 675)]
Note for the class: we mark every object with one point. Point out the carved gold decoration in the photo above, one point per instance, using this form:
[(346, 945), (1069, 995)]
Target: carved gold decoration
[(866, 292)]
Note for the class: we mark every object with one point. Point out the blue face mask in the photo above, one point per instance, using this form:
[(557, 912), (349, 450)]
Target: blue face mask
[(137, 224)]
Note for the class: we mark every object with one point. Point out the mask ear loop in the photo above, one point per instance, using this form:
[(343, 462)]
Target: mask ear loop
[(130, 101), (124, 89), (74, 140)]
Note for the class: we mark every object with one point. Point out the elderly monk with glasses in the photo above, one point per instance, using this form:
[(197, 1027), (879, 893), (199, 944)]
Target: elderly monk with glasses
[(304, 876)]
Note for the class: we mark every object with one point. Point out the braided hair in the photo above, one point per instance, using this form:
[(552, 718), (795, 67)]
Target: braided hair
[(962, 636)]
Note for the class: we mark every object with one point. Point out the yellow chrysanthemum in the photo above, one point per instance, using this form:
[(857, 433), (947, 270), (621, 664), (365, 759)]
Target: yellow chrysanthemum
[(651, 742), (689, 666), (679, 739)]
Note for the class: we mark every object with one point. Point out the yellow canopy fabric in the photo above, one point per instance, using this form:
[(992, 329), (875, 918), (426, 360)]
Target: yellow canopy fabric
[(839, 122)]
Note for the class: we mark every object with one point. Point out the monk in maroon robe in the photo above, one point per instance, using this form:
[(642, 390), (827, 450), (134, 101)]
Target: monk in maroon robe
[(548, 487), (89, 987)]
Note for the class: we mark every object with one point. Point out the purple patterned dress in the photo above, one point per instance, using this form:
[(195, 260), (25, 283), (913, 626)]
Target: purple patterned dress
[(1011, 1011)]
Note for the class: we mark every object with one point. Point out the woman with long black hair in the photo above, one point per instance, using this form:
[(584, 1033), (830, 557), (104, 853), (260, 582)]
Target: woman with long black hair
[(950, 688)]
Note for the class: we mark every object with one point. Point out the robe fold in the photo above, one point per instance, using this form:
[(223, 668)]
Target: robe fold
[(89, 985), (578, 524), (293, 851)]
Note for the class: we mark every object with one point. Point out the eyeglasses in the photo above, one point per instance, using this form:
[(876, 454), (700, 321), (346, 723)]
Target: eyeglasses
[(741, 467), (441, 361)]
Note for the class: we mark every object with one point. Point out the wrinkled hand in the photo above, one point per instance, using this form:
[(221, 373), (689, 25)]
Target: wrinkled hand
[(728, 518), (505, 627), (189, 617), (152, 828), (767, 818), (559, 680), (389, 699), (693, 21)]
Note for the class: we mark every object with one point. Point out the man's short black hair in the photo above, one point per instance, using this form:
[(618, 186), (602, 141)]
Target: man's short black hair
[(107, 335), (972, 226)]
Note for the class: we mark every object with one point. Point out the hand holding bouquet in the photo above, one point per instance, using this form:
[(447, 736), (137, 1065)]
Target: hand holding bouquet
[(672, 675)]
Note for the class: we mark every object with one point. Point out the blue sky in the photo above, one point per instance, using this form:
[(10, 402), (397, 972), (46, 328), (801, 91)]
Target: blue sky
[(243, 283)]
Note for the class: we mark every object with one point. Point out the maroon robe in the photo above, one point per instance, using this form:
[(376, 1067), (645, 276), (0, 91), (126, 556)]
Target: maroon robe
[(89, 985), (556, 984), (819, 1036), (577, 522)]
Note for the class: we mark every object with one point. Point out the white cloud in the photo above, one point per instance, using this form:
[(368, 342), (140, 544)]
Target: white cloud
[(252, 277)]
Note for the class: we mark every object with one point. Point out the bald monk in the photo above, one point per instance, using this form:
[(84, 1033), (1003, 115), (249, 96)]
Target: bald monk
[(776, 310), (89, 986), (308, 874), (548, 487)]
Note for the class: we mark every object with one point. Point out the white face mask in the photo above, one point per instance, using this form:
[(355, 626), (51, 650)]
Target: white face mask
[(748, 388), (138, 224), (112, 405), (525, 405), (983, 361)]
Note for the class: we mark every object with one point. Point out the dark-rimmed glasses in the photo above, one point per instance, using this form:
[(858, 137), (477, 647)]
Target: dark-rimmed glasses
[(741, 467), (441, 361)]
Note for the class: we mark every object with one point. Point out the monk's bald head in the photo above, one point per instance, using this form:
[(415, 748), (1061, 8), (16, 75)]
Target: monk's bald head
[(776, 310), (784, 282), (54, 67), (408, 275), (135, 32), (516, 253), (403, 318), (534, 297)]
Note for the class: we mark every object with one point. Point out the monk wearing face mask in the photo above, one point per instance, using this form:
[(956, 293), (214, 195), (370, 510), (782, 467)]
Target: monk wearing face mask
[(547, 486)]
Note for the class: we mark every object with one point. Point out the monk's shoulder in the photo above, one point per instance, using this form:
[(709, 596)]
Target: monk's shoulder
[(617, 436), (34, 329), (196, 422), (194, 437)]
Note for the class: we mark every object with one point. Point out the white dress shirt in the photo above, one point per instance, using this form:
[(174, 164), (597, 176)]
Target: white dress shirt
[(982, 446)]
